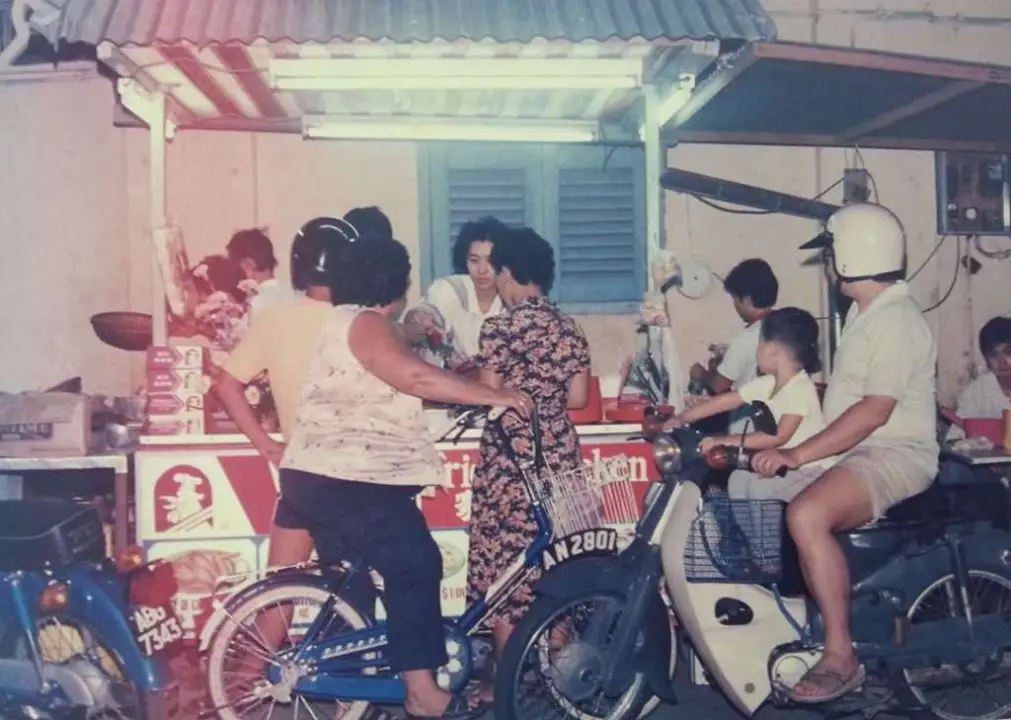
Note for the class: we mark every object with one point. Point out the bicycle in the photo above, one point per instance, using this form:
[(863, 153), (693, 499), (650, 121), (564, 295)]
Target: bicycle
[(330, 652)]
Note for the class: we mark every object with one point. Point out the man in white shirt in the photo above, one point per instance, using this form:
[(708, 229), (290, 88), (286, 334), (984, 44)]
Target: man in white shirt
[(989, 395), (754, 289), (254, 252), (880, 407)]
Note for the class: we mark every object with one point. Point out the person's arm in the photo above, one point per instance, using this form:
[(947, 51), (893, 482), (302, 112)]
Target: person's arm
[(850, 428), (787, 426), (232, 393), (712, 379), (245, 363), (579, 390), (740, 357), (709, 407), (382, 351)]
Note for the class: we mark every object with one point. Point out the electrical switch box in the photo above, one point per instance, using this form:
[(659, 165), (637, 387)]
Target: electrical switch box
[(973, 194)]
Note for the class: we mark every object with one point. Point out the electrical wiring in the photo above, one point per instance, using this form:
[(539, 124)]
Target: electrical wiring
[(927, 259), (991, 254), (954, 278)]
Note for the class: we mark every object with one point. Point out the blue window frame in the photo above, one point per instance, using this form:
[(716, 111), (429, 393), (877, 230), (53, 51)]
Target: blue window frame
[(589, 202)]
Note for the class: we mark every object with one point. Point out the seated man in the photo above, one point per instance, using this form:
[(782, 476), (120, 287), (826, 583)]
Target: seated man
[(880, 410), (989, 395), (753, 288)]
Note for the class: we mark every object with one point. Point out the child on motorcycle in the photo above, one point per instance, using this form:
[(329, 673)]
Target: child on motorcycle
[(787, 354)]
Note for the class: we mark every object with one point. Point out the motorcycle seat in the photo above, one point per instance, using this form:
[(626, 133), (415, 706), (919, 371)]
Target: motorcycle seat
[(46, 534), (986, 501)]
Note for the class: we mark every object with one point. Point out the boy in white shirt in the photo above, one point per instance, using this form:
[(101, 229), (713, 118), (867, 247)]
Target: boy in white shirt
[(753, 287), (254, 252), (989, 395), (787, 353)]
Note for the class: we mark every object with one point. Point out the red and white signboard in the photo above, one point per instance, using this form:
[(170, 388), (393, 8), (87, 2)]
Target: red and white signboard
[(211, 508)]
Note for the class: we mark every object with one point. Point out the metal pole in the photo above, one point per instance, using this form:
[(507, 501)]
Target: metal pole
[(656, 163), (157, 146)]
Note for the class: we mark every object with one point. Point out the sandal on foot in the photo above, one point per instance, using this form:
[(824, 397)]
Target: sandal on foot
[(833, 684), (461, 707)]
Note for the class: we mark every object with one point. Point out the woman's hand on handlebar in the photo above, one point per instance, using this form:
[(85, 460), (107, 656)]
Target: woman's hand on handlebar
[(674, 423), (769, 462), (516, 400)]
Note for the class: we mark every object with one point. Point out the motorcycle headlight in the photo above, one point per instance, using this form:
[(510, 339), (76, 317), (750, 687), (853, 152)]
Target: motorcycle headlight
[(667, 454)]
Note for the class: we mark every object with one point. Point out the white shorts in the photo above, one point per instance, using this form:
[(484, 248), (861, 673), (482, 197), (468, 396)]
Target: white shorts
[(891, 473), (747, 485)]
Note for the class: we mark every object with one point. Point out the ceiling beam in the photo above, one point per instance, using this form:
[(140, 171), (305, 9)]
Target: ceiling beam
[(728, 69), (886, 119)]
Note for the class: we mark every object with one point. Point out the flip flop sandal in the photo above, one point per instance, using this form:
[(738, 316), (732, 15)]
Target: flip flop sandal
[(459, 708), (829, 679)]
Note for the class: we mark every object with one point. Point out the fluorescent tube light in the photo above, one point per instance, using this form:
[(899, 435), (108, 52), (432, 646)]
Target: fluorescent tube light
[(334, 128), (329, 83), (399, 68)]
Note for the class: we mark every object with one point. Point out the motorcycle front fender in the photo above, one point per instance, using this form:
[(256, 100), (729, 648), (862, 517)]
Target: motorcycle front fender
[(100, 603), (606, 574)]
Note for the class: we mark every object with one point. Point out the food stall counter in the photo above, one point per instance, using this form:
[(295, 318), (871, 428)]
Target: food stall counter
[(206, 501)]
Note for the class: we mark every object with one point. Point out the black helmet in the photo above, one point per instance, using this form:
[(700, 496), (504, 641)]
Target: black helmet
[(315, 247)]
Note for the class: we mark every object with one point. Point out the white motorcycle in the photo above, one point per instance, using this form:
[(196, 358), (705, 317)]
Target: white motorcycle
[(931, 603)]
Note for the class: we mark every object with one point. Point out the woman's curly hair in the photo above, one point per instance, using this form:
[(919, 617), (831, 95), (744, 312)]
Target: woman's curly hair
[(529, 257), (373, 271)]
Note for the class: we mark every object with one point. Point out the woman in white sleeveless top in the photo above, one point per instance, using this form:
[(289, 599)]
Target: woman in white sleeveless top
[(360, 452)]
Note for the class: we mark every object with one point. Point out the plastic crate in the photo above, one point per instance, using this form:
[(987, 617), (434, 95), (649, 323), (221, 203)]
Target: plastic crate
[(39, 534), (736, 541)]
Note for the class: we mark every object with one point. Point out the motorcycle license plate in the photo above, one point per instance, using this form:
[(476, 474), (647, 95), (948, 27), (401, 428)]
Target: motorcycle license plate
[(602, 541), (155, 628)]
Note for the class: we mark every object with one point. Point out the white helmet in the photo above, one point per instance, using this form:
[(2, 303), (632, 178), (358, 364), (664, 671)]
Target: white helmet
[(867, 240)]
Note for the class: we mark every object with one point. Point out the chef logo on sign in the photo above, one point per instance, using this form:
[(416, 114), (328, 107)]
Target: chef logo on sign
[(184, 500)]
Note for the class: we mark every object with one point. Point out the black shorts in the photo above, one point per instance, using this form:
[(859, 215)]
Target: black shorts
[(286, 517)]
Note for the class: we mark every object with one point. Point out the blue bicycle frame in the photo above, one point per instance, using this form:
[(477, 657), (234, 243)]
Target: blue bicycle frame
[(337, 659)]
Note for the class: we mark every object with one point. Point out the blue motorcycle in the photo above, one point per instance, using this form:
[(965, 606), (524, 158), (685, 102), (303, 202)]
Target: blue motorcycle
[(80, 636)]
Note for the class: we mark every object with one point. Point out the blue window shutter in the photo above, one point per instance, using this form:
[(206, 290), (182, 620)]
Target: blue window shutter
[(467, 182), (601, 243)]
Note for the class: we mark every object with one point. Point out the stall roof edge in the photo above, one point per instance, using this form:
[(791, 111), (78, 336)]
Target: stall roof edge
[(211, 22)]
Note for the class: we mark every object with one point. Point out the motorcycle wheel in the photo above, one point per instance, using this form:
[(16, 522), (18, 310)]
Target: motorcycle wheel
[(67, 641), (989, 592), (530, 655)]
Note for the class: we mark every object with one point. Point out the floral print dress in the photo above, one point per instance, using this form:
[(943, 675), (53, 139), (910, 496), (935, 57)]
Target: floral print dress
[(535, 348)]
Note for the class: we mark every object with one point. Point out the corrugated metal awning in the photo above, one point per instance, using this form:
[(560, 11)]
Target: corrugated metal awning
[(207, 22), (214, 58), (809, 95)]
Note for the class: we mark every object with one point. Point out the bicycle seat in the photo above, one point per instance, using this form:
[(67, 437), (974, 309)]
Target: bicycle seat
[(44, 534)]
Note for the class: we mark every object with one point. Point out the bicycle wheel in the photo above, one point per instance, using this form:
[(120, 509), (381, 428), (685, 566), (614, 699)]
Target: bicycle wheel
[(255, 635), (981, 688), (553, 665)]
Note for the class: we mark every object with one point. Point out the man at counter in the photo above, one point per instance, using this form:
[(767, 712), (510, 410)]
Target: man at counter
[(754, 289), (989, 395), (281, 340), (254, 253), (467, 299), (880, 409)]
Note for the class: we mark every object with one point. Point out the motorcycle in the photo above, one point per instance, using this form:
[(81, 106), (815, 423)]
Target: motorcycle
[(81, 636), (930, 582)]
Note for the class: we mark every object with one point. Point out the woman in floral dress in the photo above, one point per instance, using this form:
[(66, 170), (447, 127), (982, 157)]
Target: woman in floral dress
[(537, 349)]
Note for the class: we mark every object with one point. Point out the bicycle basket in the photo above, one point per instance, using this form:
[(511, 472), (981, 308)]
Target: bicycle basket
[(736, 541), (594, 496)]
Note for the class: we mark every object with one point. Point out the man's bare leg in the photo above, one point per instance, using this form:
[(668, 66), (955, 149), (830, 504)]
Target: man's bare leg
[(837, 501)]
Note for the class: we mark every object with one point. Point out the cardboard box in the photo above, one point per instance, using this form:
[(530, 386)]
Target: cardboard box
[(46, 424)]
